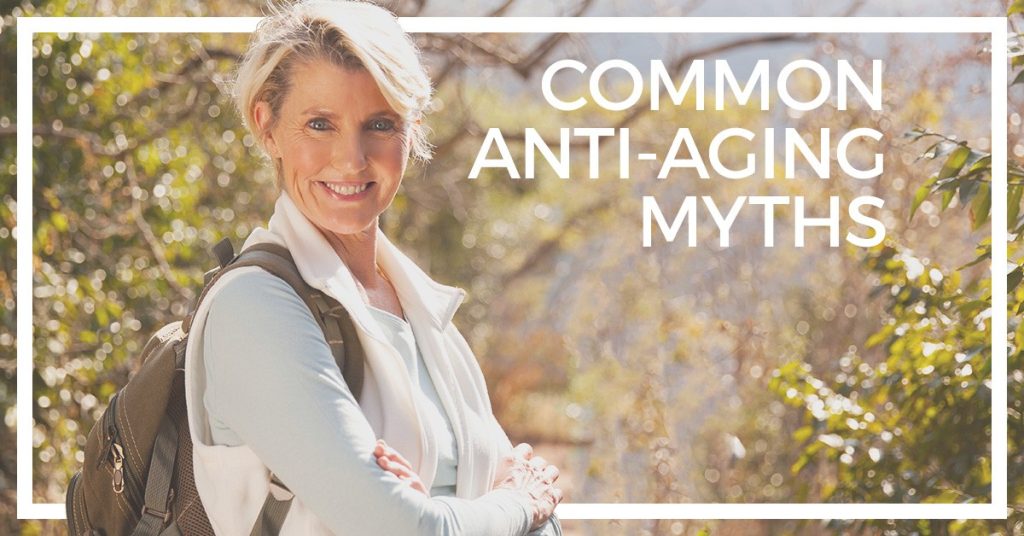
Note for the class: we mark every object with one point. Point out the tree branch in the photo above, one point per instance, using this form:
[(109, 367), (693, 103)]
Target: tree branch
[(677, 66), (550, 245), (89, 141), (182, 75), (147, 233)]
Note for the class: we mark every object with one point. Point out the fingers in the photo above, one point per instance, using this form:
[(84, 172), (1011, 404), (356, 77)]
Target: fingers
[(549, 474), (382, 449), (390, 460), (514, 465), (553, 497), (545, 504), (556, 495), (398, 469), (533, 474), (403, 474), (523, 450)]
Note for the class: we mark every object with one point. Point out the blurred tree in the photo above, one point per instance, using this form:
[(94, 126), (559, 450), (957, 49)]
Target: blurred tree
[(659, 394), (915, 427)]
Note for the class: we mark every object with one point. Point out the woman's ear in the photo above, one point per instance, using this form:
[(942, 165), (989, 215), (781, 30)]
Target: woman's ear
[(261, 115)]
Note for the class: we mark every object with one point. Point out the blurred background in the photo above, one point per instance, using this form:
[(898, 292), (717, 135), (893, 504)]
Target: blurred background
[(656, 375)]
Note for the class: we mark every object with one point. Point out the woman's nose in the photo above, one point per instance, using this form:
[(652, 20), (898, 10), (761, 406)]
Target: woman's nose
[(349, 155)]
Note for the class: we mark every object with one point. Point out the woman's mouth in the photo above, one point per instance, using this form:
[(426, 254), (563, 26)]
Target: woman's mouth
[(346, 191)]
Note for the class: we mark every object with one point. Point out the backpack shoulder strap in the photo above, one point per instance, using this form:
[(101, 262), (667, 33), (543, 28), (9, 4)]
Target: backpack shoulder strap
[(334, 320)]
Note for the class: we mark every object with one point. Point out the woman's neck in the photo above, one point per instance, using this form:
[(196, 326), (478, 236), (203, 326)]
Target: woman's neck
[(359, 252)]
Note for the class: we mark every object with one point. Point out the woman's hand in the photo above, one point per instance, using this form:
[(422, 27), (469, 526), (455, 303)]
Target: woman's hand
[(390, 460), (532, 474)]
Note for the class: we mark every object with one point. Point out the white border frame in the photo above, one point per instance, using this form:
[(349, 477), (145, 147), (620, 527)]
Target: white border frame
[(27, 27)]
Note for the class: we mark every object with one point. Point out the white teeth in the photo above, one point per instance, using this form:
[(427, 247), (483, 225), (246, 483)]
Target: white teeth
[(347, 190)]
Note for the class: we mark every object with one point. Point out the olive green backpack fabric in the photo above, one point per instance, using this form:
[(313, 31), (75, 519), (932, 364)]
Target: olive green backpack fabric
[(137, 477)]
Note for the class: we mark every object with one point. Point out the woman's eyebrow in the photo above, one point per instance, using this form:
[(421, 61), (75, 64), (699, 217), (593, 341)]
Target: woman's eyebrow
[(386, 113), (318, 111), (327, 113)]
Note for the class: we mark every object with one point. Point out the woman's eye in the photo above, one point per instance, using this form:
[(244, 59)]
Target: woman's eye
[(319, 124), (382, 124)]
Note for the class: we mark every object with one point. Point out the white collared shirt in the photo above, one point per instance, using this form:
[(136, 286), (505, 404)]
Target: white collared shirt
[(272, 386), (400, 335), (241, 378)]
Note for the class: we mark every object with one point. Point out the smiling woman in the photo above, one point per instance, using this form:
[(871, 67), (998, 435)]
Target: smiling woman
[(346, 148), (334, 92), (282, 440)]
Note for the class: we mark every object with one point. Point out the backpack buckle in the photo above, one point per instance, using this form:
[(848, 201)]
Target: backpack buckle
[(165, 516), (224, 252)]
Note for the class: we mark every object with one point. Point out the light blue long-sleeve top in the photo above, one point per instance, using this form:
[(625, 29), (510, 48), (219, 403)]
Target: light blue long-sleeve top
[(273, 385)]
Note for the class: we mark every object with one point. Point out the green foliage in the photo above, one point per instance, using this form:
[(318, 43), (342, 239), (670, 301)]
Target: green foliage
[(141, 164), (915, 426)]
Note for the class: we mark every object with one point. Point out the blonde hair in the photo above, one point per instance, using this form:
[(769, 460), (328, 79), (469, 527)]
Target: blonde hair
[(352, 35)]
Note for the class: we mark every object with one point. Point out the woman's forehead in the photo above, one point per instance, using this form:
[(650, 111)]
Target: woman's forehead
[(329, 88)]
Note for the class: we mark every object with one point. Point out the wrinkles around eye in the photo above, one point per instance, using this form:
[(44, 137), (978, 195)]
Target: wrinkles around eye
[(319, 125)]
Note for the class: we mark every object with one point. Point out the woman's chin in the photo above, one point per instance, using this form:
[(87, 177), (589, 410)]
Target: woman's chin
[(348, 227)]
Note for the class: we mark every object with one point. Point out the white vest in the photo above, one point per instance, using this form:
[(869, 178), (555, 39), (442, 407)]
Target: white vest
[(232, 481)]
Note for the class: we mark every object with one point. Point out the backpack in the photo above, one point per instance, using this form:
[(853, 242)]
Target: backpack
[(137, 477)]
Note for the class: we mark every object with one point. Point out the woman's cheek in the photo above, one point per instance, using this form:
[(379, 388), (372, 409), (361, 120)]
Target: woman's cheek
[(313, 155), (389, 155)]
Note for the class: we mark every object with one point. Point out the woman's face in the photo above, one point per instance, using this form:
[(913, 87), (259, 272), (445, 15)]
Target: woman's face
[(343, 149)]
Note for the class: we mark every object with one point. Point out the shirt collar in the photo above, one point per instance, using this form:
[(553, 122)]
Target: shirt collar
[(321, 266)]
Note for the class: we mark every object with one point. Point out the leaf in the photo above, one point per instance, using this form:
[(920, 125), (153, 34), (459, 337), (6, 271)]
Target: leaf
[(950, 184), (101, 316), (799, 464), (87, 337), (979, 162), (915, 134), (879, 336), (1013, 203), (955, 162), (984, 255), (1018, 79), (971, 307), (1016, 7), (947, 197), (919, 195), (60, 221), (967, 191), (940, 148), (981, 206), (1013, 278), (947, 496)]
